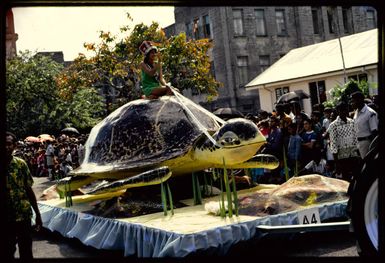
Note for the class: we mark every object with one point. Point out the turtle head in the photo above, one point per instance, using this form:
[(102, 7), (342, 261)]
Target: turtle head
[(239, 131), (236, 141)]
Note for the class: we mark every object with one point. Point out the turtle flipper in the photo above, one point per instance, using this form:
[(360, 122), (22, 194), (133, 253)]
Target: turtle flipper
[(73, 183), (266, 161), (155, 176), (88, 198)]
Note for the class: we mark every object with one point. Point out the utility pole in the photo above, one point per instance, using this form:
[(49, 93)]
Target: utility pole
[(339, 41)]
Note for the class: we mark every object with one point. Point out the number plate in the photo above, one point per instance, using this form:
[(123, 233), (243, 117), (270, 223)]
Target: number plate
[(309, 216)]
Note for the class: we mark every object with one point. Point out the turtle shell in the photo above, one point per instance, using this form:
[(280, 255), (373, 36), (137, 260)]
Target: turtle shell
[(147, 132)]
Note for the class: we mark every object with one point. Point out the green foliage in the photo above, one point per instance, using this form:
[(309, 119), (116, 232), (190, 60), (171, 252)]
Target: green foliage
[(197, 196), (34, 105), (186, 65), (164, 198), (171, 203), (235, 195), (68, 195), (343, 92), (86, 108), (31, 101), (222, 200), (228, 191), (285, 165), (165, 193)]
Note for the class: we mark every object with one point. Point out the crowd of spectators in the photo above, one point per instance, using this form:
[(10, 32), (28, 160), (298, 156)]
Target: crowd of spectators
[(327, 142), (53, 158)]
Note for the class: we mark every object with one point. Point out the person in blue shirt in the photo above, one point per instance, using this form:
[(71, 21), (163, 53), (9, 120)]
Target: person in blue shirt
[(274, 141), (309, 140), (293, 149), (274, 146)]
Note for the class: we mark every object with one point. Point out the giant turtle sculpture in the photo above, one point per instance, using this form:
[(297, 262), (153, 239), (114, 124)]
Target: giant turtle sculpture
[(145, 141)]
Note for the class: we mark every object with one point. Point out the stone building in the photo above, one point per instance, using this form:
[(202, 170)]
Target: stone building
[(57, 56), (10, 35), (248, 39)]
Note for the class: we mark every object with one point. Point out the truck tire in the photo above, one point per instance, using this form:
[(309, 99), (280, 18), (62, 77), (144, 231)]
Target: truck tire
[(364, 206)]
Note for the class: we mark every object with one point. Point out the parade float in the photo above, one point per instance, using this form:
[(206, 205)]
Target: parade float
[(144, 185)]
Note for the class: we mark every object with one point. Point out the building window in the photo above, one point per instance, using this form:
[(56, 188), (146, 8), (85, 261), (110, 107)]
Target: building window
[(280, 91), (280, 21), (196, 28), (370, 19), (238, 22), (314, 13), (242, 64), (264, 62), (317, 92), (331, 20), (260, 22), (345, 20), (189, 30), (359, 77), (206, 26)]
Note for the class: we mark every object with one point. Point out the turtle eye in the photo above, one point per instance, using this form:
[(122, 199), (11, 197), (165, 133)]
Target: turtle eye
[(229, 138)]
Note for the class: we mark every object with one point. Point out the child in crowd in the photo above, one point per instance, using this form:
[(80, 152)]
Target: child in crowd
[(293, 149), (41, 167), (309, 140)]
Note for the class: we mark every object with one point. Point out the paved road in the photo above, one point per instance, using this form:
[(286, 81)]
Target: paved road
[(341, 243)]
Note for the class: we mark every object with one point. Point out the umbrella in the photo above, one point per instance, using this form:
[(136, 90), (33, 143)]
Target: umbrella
[(32, 139), (45, 137), (293, 95), (228, 113), (70, 130)]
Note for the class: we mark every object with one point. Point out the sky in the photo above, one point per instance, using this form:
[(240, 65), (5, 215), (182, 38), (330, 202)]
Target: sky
[(67, 28)]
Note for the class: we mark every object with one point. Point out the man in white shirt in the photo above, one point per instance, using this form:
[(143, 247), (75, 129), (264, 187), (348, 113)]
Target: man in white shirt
[(365, 123), (343, 143)]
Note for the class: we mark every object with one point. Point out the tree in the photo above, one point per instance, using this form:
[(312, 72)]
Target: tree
[(33, 103), (114, 72), (85, 110), (342, 93)]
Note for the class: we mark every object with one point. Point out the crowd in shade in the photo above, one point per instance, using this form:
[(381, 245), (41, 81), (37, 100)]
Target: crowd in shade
[(53, 158), (330, 141)]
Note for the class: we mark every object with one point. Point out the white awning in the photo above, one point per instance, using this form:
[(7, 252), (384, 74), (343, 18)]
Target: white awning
[(358, 49)]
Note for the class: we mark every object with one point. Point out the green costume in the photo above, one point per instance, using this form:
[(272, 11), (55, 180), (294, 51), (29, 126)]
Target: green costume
[(18, 176), (149, 83)]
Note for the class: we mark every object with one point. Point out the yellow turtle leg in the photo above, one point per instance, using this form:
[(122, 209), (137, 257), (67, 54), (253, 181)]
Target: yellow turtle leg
[(88, 197), (73, 183), (266, 161), (117, 188)]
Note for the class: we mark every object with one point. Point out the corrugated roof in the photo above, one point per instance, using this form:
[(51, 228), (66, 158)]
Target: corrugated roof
[(358, 50)]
